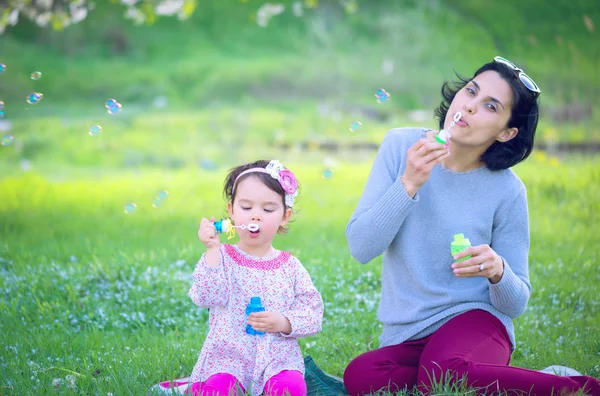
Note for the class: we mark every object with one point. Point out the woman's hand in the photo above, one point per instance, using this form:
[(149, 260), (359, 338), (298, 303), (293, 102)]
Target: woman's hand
[(421, 158), (484, 261), (270, 322)]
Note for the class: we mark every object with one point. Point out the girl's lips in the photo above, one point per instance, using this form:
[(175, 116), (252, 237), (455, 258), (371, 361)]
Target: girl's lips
[(254, 234), (461, 123)]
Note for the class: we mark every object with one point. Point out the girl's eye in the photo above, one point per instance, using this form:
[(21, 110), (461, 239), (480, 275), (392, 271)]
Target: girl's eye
[(246, 208), (269, 210), (471, 90)]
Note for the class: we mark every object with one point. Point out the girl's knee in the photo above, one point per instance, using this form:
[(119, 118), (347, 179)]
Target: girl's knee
[(286, 383), (221, 384)]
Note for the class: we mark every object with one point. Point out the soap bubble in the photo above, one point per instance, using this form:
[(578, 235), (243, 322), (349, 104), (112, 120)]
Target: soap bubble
[(381, 95), (327, 174), (95, 130), (7, 140), (1, 114), (355, 126), (2, 68), (130, 208), (1, 105), (110, 103), (36, 75), (207, 164), (112, 110), (34, 97), (157, 203), (162, 195)]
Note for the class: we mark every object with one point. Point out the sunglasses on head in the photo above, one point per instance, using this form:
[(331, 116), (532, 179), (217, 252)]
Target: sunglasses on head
[(525, 79)]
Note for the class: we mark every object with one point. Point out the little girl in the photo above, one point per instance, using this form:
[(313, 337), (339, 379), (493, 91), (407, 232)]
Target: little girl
[(232, 360)]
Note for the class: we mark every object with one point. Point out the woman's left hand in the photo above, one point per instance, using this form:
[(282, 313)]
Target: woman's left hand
[(270, 322), (484, 262)]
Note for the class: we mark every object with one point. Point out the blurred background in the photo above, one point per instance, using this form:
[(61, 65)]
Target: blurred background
[(203, 82)]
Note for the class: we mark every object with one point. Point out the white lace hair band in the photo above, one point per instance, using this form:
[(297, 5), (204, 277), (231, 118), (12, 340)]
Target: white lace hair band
[(277, 171)]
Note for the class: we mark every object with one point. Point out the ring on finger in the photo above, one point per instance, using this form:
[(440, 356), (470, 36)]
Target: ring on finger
[(481, 267)]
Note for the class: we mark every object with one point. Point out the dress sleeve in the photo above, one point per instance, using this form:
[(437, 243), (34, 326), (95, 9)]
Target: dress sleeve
[(306, 311), (210, 286)]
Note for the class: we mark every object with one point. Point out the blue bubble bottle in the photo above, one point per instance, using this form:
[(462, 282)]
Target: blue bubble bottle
[(254, 306)]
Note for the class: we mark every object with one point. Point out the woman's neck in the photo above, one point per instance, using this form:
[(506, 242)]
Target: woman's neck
[(463, 160)]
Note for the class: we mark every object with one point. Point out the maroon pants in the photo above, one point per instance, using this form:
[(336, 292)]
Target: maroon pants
[(473, 345)]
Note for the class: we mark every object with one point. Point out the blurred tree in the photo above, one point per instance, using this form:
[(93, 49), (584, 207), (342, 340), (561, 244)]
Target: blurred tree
[(61, 13)]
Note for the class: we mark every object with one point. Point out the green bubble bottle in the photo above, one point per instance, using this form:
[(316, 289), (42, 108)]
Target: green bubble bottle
[(459, 244)]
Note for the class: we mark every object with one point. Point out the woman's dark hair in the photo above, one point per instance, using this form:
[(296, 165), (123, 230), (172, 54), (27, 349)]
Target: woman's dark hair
[(271, 183), (524, 116)]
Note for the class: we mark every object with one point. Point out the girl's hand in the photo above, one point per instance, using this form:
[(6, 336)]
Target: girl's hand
[(208, 233), (484, 262), (270, 322), (421, 158)]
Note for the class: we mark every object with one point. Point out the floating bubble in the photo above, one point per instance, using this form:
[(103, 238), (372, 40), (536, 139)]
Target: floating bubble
[(157, 203), (1, 114), (162, 195), (7, 140), (355, 126), (112, 110), (95, 130), (1, 105), (34, 97), (130, 208), (110, 103), (36, 75), (381, 95), (2, 68), (327, 174), (208, 164)]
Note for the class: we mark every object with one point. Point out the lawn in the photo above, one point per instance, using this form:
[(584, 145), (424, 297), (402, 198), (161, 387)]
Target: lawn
[(94, 299)]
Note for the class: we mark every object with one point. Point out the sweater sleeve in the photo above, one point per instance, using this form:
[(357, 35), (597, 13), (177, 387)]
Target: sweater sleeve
[(510, 240), (210, 287), (306, 311), (384, 203)]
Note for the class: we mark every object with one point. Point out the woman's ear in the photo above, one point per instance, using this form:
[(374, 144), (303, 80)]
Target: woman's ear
[(507, 135)]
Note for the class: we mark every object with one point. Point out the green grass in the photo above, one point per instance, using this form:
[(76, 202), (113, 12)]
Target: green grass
[(92, 293)]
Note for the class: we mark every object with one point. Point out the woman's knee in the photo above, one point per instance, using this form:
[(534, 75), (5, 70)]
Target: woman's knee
[(286, 382), (357, 373)]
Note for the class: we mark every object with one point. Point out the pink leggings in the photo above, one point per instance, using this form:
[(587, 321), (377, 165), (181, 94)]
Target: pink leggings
[(474, 344), (286, 382)]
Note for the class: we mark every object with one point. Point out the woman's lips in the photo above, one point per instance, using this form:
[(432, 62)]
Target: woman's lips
[(461, 123)]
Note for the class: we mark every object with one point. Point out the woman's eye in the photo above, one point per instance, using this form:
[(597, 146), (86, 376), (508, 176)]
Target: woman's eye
[(492, 107), (471, 90)]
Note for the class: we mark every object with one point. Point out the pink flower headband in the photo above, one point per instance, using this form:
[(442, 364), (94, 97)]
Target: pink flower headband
[(285, 177)]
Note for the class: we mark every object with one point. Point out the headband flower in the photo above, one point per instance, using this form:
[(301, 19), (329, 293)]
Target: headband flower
[(286, 178)]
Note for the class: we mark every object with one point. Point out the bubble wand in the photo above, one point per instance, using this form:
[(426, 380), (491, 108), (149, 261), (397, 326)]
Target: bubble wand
[(226, 226), (444, 135)]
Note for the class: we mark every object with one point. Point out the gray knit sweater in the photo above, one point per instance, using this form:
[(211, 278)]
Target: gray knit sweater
[(419, 290)]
